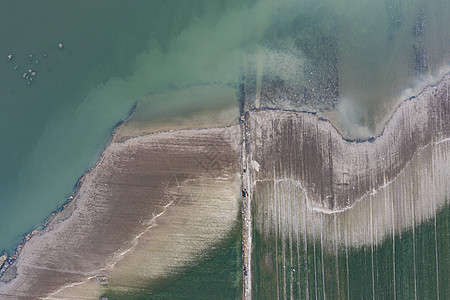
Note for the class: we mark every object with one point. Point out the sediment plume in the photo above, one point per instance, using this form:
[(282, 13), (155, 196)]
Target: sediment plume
[(197, 107), (154, 203), (151, 205)]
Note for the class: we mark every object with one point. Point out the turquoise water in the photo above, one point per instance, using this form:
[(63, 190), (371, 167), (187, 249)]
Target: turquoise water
[(355, 56), (113, 54)]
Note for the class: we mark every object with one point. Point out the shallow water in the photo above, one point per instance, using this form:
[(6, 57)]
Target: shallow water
[(114, 54), (358, 57)]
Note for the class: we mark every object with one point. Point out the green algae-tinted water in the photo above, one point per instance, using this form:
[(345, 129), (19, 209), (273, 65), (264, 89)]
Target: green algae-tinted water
[(117, 52), (359, 57), (414, 265), (113, 54)]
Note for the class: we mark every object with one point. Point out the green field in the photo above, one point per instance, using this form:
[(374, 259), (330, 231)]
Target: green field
[(404, 267), (218, 275)]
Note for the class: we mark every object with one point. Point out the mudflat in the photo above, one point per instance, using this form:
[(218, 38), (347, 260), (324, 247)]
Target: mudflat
[(308, 180), (153, 203), (138, 188), (318, 199)]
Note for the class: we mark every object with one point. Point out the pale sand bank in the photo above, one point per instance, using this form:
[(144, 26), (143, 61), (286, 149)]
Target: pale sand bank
[(151, 204), (306, 180), (193, 108), (200, 120), (309, 180)]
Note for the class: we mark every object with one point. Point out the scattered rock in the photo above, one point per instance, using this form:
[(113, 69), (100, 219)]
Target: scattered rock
[(419, 26), (29, 76), (60, 45), (421, 58), (102, 280), (3, 259)]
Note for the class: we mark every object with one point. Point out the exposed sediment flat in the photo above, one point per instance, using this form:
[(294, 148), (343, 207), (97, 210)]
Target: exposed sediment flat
[(339, 219), (309, 180), (153, 203), (205, 119), (192, 108), (150, 205)]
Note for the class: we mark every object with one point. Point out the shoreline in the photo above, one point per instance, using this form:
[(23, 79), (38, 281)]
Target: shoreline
[(10, 259), (222, 184), (70, 205), (60, 214), (335, 175), (322, 115)]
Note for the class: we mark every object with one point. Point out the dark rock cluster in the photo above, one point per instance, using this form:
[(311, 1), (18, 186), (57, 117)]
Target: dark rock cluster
[(419, 26), (421, 54), (28, 63)]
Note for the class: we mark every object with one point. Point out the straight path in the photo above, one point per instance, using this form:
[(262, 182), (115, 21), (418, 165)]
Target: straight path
[(246, 212)]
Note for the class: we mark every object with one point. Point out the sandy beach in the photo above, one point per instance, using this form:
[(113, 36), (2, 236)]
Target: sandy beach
[(338, 218), (133, 210), (155, 202), (198, 107), (395, 180)]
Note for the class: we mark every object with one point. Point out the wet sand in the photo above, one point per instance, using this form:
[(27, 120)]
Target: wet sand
[(204, 119), (150, 205), (154, 202), (191, 108), (306, 182), (337, 218), (309, 178)]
